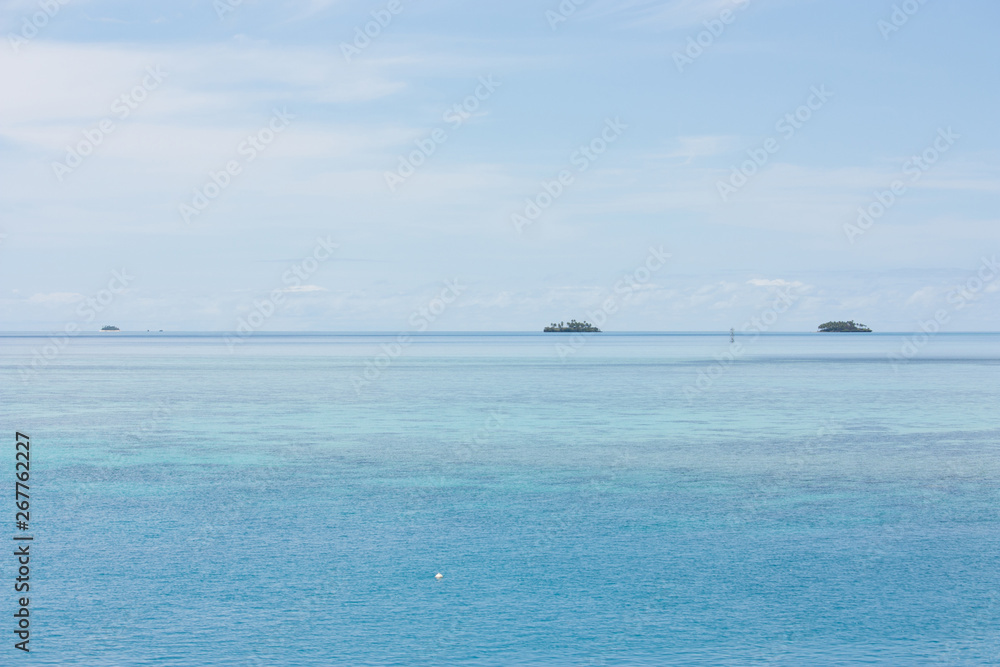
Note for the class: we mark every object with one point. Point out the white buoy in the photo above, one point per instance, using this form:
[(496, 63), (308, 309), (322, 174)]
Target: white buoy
[(439, 576)]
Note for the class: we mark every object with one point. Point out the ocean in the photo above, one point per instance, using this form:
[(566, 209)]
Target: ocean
[(608, 499)]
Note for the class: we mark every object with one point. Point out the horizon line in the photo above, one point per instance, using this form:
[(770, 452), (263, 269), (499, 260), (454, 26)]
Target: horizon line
[(720, 332)]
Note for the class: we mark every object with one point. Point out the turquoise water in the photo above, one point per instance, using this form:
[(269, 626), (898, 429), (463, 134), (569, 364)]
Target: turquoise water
[(639, 500)]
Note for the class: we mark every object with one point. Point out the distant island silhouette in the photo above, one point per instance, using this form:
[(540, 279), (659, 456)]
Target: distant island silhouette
[(843, 327), (571, 327), (109, 327)]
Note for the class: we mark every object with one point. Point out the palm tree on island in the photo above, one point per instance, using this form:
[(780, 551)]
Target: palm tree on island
[(843, 327), (571, 327)]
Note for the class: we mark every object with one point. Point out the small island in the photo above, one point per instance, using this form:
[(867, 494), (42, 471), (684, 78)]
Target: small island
[(843, 327), (571, 327), (109, 327)]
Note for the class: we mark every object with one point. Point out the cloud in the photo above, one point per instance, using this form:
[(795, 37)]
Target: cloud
[(55, 298), (923, 296), (308, 8), (55, 82), (704, 146), (672, 15), (298, 289), (760, 282)]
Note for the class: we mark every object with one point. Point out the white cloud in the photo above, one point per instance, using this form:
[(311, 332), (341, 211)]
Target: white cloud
[(760, 282), (298, 289), (923, 296), (704, 146), (55, 298), (56, 82), (670, 15)]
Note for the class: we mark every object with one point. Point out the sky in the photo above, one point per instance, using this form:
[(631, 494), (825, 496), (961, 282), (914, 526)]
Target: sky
[(495, 166)]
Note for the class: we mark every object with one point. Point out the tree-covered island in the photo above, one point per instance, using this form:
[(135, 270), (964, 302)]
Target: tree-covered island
[(843, 327), (109, 327), (571, 327)]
